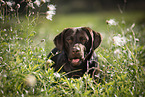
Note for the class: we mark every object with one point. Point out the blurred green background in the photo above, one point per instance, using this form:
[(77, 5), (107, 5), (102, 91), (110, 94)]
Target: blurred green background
[(97, 21), (92, 13)]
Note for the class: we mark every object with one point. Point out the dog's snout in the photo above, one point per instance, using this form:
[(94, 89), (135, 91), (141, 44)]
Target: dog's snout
[(76, 49)]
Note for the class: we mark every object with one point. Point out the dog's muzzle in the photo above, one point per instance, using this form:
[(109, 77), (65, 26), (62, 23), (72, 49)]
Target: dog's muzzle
[(77, 54)]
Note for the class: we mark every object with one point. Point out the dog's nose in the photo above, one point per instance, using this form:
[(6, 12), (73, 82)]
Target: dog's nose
[(76, 49)]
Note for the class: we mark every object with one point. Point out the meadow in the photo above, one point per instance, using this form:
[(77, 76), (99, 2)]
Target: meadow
[(26, 44)]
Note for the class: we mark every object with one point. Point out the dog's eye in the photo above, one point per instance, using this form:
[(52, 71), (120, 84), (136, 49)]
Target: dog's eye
[(83, 40), (69, 40)]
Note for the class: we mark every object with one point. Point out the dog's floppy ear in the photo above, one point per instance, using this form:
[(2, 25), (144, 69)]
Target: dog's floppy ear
[(58, 40), (97, 39)]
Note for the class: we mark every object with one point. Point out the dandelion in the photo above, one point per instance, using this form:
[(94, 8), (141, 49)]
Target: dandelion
[(111, 22), (119, 41), (31, 80)]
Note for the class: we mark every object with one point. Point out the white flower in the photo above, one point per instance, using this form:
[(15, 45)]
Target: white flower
[(49, 61), (9, 3), (37, 2), (49, 14), (31, 5), (49, 17), (51, 7), (119, 41), (117, 51), (39, 56), (111, 22)]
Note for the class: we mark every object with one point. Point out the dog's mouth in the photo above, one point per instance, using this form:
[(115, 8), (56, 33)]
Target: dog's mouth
[(76, 61)]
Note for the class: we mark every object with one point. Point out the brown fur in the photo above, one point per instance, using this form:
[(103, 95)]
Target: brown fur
[(76, 50)]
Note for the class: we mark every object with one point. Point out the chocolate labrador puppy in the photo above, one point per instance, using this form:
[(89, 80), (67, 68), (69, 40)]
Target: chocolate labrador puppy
[(74, 52)]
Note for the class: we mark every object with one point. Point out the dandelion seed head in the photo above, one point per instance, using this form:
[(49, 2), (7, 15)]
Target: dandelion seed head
[(31, 80)]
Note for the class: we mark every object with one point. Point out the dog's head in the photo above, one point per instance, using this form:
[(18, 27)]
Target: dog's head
[(77, 43)]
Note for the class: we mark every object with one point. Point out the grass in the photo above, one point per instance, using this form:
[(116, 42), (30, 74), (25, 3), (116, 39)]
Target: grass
[(23, 70)]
